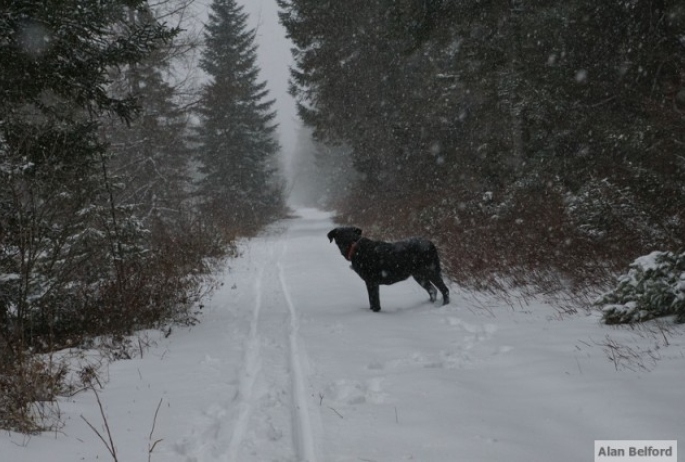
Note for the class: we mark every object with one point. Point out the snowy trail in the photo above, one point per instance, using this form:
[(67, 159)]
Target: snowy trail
[(289, 365), (302, 434)]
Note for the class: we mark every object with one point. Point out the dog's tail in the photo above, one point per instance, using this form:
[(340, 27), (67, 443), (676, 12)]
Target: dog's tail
[(434, 257)]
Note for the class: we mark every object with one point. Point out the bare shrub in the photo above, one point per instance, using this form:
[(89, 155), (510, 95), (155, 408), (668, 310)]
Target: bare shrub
[(28, 387), (536, 238)]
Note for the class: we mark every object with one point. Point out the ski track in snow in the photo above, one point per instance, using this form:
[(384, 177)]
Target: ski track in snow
[(247, 399), (304, 440), (248, 376)]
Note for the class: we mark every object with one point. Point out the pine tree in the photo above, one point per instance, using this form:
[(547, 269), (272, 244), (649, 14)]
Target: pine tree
[(235, 138), (151, 152)]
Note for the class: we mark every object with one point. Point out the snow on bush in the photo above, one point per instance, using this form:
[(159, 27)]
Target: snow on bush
[(653, 287)]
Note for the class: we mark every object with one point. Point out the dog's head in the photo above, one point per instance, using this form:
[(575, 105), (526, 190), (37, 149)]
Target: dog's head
[(344, 237)]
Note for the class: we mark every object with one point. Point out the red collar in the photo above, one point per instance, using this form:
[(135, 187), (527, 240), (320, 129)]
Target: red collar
[(350, 251)]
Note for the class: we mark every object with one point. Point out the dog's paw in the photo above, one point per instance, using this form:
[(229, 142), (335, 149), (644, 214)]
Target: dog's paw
[(375, 309)]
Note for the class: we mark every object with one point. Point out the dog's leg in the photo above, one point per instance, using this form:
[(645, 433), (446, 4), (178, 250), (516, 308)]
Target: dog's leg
[(374, 296), (435, 274), (426, 284), (436, 279)]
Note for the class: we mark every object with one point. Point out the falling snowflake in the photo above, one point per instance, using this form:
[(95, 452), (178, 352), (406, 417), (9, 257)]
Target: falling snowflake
[(581, 76)]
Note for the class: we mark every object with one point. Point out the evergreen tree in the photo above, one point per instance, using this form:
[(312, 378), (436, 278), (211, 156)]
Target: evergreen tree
[(151, 153), (235, 138)]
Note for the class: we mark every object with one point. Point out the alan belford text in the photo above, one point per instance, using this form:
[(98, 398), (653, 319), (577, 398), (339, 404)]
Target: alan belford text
[(636, 451)]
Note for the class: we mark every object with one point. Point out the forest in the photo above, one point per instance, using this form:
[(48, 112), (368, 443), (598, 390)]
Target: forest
[(540, 144)]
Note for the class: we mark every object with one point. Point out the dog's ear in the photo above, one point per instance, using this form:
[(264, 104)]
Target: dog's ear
[(332, 234), (358, 232)]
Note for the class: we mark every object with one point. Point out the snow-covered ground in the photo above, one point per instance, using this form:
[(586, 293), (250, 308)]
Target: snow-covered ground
[(288, 364)]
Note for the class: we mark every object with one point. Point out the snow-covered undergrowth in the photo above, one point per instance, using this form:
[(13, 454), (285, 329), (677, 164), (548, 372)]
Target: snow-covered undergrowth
[(653, 287), (288, 364)]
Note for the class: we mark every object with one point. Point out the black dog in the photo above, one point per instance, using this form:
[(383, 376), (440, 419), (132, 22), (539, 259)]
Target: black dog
[(387, 263)]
